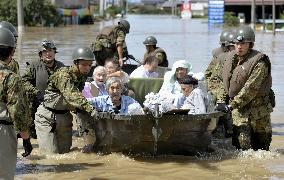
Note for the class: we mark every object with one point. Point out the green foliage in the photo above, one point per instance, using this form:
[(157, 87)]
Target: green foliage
[(113, 10), (36, 12), (282, 15), (148, 10), (231, 20)]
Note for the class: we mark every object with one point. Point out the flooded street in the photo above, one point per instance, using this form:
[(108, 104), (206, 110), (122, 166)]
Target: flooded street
[(192, 40)]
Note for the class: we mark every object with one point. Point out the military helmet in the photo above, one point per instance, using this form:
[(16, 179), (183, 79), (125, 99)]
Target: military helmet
[(84, 53), (10, 27), (150, 40), (7, 38), (125, 24), (244, 34), (46, 44), (223, 36)]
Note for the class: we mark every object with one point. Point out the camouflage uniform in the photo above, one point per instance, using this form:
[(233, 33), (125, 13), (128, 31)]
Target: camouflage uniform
[(13, 111), (250, 99), (14, 66), (106, 44), (53, 119)]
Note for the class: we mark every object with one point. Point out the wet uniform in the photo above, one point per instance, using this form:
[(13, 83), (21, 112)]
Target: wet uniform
[(248, 82), (13, 117), (53, 119)]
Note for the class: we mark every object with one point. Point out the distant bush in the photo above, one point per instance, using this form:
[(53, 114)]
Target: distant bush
[(36, 12), (148, 10), (230, 20)]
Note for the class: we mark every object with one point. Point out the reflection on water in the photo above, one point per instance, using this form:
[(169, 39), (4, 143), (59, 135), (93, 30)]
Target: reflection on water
[(192, 40)]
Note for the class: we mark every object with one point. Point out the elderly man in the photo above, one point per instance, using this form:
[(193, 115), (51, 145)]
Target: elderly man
[(114, 102), (147, 70)]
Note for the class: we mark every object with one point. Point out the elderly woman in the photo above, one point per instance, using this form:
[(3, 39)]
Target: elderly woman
[(114, 101), (96, 87), (179, 70), (113, 69), (192, 97)]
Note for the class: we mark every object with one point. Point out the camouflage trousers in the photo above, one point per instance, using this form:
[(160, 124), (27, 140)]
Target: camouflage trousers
[(254, 133), (54, 130), (102, 55), (8, 152)]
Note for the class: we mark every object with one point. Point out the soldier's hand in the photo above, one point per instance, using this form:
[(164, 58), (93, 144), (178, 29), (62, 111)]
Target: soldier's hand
[(24, 135), (27, 147), (223, 107)]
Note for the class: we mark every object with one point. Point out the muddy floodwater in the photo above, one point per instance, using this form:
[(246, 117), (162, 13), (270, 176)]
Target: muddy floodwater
[(192, 40)]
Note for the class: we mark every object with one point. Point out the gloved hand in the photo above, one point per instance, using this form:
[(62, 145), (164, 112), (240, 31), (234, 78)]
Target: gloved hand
[(223, 107), (27, 146)]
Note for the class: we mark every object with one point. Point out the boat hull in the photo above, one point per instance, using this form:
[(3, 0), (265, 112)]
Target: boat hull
[(170, 134)]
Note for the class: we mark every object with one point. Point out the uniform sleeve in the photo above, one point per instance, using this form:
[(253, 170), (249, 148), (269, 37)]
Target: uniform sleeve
[(120, 38), (28, 79), (14, 66), (16, 103), (252, 86), (72, 94)]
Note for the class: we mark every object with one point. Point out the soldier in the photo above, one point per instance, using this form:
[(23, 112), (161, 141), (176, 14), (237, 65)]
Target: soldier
[(53, 120), (213, 75), (13, 64), (152, 50), (13, 109), (37, 73), (247, 81), (111, 43)]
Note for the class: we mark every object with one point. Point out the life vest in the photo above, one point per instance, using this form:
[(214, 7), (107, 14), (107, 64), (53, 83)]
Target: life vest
[(41, 74), (235, 79)]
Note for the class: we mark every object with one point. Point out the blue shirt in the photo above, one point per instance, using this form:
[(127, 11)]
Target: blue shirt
[(104, 103)]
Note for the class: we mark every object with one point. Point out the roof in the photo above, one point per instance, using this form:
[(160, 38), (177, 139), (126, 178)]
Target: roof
[(257, 2)]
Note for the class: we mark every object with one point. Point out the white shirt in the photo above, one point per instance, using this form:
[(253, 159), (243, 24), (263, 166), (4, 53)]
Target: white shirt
[(195, 102), (141, 72)]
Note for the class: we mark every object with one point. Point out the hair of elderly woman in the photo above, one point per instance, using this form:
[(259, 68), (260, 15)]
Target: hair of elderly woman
[(150, 59), (99, 69), (187, 79), (112, 80)]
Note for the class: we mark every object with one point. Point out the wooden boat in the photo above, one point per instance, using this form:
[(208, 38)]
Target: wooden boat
[(174, 132), (168, 134)]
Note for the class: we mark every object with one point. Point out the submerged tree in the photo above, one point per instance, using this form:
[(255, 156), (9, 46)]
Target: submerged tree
[(36, 12)]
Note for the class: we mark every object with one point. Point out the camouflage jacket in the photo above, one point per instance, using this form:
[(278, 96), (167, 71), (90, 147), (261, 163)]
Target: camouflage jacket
[(248, 93), (14, 66), (213, 76), (70, 83), (12, 94), (160, 54)]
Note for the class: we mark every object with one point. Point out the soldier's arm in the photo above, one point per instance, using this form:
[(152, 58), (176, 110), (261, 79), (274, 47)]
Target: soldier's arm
[(16, 103), (210, 67), (72, 94), (252, 86), (28, 81), (119, 44)]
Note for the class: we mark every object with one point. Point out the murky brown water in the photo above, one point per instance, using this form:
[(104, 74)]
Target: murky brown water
[(192, 40)]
